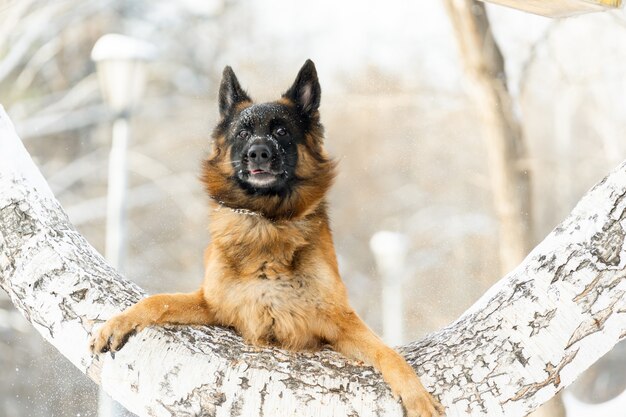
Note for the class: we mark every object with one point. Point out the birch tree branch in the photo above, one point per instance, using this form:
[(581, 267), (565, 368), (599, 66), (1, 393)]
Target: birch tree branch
[(526, 338)]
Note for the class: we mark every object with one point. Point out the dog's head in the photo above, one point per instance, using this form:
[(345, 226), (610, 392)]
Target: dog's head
[(269, 157)]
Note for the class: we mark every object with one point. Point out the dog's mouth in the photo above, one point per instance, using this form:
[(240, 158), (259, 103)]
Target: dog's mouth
[(261, 178), (259, 171)]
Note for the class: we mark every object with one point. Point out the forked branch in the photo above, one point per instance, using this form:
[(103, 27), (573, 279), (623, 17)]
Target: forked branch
[(529, 336)]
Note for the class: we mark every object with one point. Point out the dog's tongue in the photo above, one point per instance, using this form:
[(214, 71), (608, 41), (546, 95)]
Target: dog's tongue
[(257, 171)]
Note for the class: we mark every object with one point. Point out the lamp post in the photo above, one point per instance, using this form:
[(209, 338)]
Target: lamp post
[(390, 250), (120, 63)]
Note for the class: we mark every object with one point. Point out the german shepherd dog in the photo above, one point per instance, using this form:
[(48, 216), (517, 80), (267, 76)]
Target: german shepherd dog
[(270, 269)]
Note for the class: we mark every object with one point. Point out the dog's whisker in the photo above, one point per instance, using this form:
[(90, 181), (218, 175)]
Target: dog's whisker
[(231, 162)]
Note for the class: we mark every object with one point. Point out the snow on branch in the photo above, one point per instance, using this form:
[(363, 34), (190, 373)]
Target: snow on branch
[(528, 337)]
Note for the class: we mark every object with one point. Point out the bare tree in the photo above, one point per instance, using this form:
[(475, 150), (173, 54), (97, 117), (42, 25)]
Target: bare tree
[(527, 338), (506, 149)]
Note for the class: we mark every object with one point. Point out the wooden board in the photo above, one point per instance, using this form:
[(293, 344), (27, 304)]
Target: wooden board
[(560, 8)]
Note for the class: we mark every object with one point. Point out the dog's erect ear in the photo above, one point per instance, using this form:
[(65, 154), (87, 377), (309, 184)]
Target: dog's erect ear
[(305, 91), (231, 92)]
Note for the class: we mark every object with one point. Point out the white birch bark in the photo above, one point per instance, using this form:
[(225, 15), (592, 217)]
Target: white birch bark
[(526, 338)]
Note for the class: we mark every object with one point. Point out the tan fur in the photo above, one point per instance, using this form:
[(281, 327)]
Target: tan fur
[(274, 277)]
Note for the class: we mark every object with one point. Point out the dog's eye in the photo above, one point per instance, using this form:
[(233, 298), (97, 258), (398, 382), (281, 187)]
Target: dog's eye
[(281, 131), (244, 134)]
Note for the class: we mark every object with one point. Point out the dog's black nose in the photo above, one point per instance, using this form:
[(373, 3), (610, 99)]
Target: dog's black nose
[(259, 153)]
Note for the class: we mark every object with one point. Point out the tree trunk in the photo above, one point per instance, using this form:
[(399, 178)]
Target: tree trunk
[(506, 150), (528, 337)]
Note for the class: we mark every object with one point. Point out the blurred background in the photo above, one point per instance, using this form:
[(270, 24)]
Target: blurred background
[(429, 144)]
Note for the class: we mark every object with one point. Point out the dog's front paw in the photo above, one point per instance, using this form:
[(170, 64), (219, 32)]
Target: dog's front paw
[(421, 404), (114, 334)]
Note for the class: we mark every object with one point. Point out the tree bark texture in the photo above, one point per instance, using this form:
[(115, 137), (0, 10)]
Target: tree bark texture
[(528, 337), (506, 150)]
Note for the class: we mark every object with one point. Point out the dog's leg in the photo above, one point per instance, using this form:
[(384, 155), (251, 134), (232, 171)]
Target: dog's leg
[(187, 308), (357, 341)]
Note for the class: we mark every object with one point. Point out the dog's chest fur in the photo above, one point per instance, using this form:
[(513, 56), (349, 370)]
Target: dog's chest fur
[(261, 275)]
